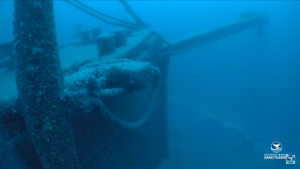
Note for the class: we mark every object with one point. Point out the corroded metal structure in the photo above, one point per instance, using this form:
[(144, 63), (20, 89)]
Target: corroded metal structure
[(107, 112)]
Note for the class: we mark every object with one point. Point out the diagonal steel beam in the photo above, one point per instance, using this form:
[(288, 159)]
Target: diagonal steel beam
[(189, 42)]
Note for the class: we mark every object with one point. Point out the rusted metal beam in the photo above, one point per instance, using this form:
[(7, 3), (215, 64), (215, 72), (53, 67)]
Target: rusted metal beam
[(189, 42)]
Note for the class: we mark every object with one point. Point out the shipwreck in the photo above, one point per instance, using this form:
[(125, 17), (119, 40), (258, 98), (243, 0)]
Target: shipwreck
[(103, 109)]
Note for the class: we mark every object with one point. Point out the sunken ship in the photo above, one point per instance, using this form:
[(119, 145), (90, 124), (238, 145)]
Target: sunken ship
[(105, 108)]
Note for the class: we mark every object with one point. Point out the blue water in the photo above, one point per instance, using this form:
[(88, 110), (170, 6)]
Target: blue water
[(228, 100), (242, 81)]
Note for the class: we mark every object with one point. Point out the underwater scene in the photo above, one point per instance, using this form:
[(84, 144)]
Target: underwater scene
[(157, 84)]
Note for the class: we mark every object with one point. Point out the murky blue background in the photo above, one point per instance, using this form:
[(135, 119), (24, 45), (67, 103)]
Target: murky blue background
[(228, 100)]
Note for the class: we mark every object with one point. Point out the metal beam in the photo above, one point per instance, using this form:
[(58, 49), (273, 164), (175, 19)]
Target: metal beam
[(198, 39), (39, 82)]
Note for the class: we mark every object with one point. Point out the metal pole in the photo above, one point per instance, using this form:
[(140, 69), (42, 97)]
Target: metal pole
[(198, 39), (40, 84)]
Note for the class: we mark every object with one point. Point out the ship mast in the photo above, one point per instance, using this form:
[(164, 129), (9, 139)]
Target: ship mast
[(40, 84)]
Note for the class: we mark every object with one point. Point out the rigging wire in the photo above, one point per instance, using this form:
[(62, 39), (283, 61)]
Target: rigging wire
[(135, 17), (125, 24), (100, 18), (104, 15)]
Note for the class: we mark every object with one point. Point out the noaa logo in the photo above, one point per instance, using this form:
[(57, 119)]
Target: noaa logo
[(290, 159), (276, 147)]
